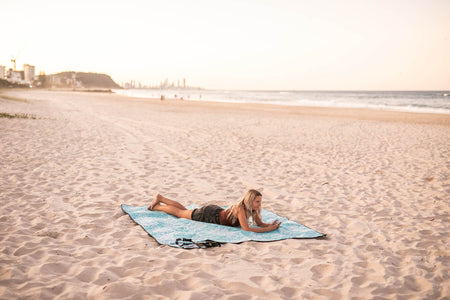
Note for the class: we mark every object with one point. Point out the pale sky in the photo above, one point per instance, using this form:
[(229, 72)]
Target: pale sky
[(245, 44)]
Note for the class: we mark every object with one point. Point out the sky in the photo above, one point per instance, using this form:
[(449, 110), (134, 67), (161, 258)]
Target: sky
[(229, 44)]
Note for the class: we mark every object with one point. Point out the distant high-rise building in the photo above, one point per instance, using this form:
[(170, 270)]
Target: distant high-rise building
[(28, 73), (2, 72)]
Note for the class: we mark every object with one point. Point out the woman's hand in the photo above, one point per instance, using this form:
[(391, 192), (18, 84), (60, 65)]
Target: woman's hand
[(263, 227), (274, 226)]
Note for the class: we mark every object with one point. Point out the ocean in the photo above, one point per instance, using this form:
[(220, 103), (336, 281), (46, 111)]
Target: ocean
[(410, 101)]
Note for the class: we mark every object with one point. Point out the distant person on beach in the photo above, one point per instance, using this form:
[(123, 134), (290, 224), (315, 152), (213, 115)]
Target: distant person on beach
[(236, 215)]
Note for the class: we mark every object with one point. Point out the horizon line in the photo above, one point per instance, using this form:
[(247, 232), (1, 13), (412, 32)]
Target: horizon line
[(300, 90)]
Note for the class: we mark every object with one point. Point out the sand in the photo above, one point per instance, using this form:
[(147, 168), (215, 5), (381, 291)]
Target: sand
[(378, 183)]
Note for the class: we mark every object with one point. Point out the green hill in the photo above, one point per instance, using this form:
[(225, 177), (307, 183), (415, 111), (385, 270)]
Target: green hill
[(87, 80)]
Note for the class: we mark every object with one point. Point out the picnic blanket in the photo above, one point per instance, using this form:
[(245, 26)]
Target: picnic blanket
[(184, 233)]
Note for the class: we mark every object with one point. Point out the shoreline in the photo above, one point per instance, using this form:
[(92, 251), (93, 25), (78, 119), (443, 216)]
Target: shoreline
[(317, 104), (369, 114)]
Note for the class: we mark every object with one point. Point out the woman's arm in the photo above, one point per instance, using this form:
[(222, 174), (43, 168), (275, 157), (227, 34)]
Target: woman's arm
[(259, 222), (264, 227)]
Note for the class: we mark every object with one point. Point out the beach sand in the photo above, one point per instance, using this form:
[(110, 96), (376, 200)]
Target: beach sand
[(376, 182)]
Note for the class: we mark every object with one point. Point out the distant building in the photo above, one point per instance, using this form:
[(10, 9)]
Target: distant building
[(15, 76), (29, 73), (26, 76), (2, 72)]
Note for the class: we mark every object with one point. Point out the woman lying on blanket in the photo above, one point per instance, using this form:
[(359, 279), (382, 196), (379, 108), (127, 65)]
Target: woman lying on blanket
[(235, 215)]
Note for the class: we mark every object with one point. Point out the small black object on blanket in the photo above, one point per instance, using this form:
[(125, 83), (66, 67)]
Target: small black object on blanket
[(190, 244)]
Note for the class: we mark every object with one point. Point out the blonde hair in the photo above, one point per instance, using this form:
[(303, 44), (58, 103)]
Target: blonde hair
[(247, 203)]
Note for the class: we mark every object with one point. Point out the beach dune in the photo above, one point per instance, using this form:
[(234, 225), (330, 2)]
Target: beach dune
[(376, 182)]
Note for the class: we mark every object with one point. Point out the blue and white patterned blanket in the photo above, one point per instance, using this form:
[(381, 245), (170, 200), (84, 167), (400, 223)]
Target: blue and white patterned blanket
[(166, 229)]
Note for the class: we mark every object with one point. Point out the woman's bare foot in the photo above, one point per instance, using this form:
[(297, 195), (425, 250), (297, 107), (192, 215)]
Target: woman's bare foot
[(155, 202)]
